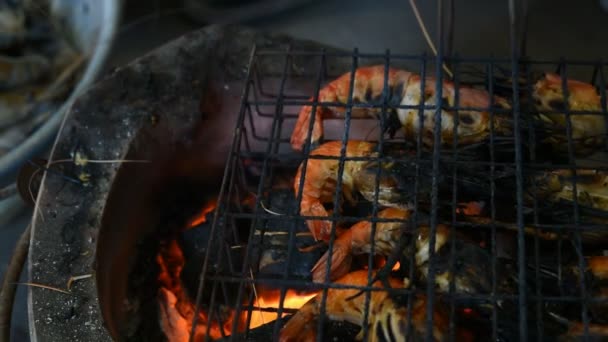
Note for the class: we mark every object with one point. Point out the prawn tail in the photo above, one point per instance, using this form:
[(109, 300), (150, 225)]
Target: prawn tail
[(341, 261), (302, 326), (302, 127), (320, 229)]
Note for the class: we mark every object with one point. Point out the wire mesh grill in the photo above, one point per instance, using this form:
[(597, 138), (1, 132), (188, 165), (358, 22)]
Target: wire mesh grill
[(511, 273)]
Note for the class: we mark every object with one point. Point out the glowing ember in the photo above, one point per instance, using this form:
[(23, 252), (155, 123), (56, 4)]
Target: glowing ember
[(176, 310), (382, 262), (202, 216), (599, 266), (292, 300), (173, 324)]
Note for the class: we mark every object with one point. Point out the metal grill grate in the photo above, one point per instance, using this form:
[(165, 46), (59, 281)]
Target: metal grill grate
[(541, 264), (524, 256)]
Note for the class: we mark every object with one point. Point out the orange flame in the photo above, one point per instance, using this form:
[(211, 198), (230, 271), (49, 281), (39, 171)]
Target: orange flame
[(177, 310), (202, 216), (599, 266), (383, 262), (293, 300)]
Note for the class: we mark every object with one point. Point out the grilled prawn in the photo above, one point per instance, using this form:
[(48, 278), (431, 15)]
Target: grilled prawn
[(321, 177), (472, 268), (556, 187), (595, 277), (576, 332), (358, 240), (588, 130), (591, 187), (465, 263), (404, 88), (387, 319), (400, 181)]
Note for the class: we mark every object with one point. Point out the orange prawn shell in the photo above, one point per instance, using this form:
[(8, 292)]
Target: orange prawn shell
[(583, 96), (473, 122), (338, 306), (386, 232), (320, 180), (357, 240), (384, 312), (590, 129), (368, 85)]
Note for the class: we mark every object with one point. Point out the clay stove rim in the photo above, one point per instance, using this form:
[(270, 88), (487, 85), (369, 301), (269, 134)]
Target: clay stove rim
[(217, 52)]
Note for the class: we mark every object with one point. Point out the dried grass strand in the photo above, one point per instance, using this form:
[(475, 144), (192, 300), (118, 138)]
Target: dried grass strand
[(42, 286), (9, 287), (76, 278), (426, 35)]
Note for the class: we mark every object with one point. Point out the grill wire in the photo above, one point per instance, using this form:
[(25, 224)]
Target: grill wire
[(261, 141)]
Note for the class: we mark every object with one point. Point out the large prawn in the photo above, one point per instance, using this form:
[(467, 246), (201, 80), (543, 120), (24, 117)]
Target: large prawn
[(588, 130), (556, 191), (400, 182), (569, 277), (358, 240), (472, 268), (405, 89), (387, 319), (320, 181)]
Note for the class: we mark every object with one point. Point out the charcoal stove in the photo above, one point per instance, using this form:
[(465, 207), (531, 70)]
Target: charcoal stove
[(254, 243)]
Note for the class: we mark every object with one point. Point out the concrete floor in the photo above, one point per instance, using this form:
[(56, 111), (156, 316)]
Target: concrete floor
[(557, 28)]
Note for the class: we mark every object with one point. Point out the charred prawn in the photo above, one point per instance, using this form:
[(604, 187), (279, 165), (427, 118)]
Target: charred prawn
[(395, 174), (405, 89)]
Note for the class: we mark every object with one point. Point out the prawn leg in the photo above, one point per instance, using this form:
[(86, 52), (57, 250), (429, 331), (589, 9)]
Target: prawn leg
[(388, 319)]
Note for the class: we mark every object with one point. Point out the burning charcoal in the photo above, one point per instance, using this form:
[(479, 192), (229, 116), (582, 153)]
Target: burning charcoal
[(332, 331), (280, 202), (223, 259), (270, 243), (274, 259)]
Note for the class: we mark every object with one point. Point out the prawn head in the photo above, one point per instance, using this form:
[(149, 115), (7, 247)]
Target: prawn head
[(396, 183)]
